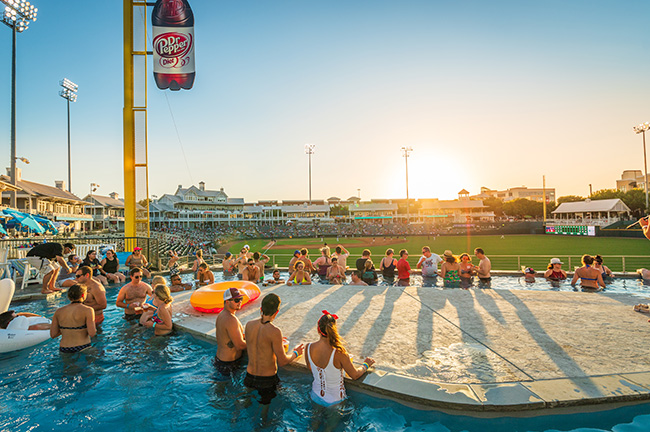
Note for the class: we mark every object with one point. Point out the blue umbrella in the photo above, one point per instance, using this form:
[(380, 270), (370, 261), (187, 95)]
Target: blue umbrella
[(3, 230), (27, 221), (47, 224)]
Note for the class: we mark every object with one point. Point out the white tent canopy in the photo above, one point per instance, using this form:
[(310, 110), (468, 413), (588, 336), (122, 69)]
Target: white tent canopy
[(588, 206)]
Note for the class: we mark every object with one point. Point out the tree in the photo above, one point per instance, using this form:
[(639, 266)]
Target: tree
[(523, 207), (495, 205), (569, 198), (339, 210)]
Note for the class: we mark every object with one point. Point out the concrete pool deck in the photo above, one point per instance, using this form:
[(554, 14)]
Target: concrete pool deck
[(479, 350)]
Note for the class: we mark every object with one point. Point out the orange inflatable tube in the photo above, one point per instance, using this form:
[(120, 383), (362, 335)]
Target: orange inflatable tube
[(209, 299)]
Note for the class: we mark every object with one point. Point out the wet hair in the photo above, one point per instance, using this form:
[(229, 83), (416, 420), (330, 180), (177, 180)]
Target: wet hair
[(135, 270), (5, 318), (69, 246), (270, 304), (464, 254), (303, 251), (256, 256), (85, 270), (76, 292), (366, 252), (199, 253), (479, 251), (389, 251), (335, 259), (275, 271), (90, 252), (368, 265), (158, 280), (426, 249), (598, 259), (357, 273), (162, 292), (327, 328), (339, 250), (403, 252), (587, 259), (205, 266)]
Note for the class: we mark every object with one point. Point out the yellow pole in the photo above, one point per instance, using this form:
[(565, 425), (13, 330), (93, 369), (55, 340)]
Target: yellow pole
[(129, 124)]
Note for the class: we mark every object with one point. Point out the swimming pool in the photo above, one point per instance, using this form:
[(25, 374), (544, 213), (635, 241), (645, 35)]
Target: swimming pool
[(130, 380)]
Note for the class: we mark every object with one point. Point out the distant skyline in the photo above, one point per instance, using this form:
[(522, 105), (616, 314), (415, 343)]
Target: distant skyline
[(491, 94)]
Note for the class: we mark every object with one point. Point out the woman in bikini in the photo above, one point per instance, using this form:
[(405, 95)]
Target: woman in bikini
[(323, 263), (197, 263), (299, 276), (590, 278), (329, 361), (605, 272), (466, 267), (158, 311), (75, 323), (388, 265)]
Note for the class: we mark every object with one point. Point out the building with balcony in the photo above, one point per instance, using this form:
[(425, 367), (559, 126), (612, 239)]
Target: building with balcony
[(591, 212), (630, 179), (52, 202), (373, 210), (533, 194), (462, 210), (107, 212)]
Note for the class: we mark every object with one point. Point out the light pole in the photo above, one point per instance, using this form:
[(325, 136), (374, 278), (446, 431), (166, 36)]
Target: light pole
[(309, 149), (640, 129), (405, 153), (17, 15), (93, 188), (69, 93)]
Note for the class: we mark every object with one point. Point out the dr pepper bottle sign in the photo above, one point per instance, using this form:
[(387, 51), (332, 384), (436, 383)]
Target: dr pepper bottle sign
[(173, 44)]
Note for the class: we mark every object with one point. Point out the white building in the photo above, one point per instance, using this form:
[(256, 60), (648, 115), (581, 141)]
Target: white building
[(591, 212)]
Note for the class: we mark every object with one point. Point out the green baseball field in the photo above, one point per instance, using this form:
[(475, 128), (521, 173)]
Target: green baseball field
[(508, 252)]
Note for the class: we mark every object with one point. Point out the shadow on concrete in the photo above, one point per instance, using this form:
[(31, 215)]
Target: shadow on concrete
[(382, 322), (554, 351), (487, 302), (361, 307), (309, 322)]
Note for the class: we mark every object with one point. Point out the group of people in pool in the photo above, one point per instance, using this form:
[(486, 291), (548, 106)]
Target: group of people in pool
[(592, 275), (326, 358)]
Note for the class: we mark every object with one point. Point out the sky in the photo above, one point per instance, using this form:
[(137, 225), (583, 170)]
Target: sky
[(494, 94)]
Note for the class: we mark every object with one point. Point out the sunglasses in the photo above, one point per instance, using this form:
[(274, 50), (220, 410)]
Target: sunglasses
[(237, 300), (136, 277), (77, 276)]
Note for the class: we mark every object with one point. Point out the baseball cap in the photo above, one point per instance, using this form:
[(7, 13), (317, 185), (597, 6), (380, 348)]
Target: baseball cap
[(231, 294), (529, 270), (556, 261), (247, 247), (296, 252), (137, 248), (228, 254)]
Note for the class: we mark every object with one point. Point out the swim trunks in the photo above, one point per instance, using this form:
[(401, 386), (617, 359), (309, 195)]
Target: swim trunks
[(227, 368), (131, 317), (266, 386), (485, 280)]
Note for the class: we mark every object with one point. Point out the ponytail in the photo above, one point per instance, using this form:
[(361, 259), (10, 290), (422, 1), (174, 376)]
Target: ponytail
[(327, 328)]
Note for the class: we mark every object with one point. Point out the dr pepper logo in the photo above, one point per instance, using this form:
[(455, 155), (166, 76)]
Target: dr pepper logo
[(171, 45)]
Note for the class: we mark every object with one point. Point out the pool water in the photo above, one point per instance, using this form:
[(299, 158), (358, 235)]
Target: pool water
[(130, 380)]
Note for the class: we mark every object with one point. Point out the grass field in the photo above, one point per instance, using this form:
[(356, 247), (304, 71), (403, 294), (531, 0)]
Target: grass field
[(564, 247)]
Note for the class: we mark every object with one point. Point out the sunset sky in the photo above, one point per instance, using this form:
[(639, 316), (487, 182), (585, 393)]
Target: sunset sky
[(492, 94)]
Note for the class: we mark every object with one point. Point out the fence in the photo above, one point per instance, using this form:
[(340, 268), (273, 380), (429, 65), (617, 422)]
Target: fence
[(616, 263), (18, 247)]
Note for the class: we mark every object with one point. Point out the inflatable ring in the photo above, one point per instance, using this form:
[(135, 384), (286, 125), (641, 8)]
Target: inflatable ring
[(14, 340), (209, 299)]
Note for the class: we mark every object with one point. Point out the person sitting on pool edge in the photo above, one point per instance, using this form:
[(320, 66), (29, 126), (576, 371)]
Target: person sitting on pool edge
[(133, 294), (300, 276), (590, 278), (230, 334), (75, 323), (266, 353), (329, 361), (554, 271)]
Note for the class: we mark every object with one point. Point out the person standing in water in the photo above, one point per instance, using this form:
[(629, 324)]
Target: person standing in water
[(75, 323), (266, 353), (229, 334)]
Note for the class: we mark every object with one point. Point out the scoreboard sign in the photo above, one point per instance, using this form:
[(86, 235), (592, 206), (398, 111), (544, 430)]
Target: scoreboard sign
[(577, 230)]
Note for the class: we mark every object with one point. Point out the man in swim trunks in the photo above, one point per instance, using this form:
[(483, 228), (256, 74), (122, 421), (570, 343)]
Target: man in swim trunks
[(251, 272), (260, 261), (484, 266), (341, 255), (240, 262), (266, 351), (229, 334), (95, 292), (133, 294)]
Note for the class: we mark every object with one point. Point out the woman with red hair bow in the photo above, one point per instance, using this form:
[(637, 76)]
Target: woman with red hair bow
[(328, 361)]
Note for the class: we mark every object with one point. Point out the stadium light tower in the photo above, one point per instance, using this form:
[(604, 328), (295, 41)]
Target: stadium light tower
[(640, 129), (405, 153), (69, 93), (309, 149), (17, 15)]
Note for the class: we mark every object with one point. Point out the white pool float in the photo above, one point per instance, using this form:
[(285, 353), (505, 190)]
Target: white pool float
[(14, 340)]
